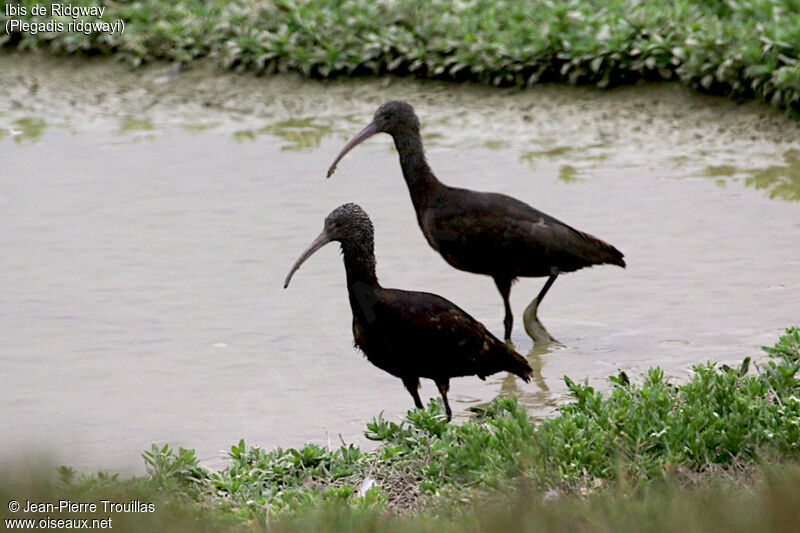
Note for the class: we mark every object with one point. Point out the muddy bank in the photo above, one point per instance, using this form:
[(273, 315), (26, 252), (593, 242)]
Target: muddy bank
[(86, 94)]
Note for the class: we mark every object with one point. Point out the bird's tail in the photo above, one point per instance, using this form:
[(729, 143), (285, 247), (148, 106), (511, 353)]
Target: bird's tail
[(516, 364), (596, 251), (501, 358), (615, 257), (506, 359), (606, 253)]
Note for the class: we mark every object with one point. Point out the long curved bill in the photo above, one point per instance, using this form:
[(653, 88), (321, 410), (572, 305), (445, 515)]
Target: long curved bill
[(370, 130), (318, 243)]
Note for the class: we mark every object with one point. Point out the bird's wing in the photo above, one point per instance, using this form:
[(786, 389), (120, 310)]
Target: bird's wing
[(418, 310), (435, 330), (499, 227)]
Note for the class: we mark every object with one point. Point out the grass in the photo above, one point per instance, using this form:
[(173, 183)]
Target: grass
[(744, 49), (720, 452), (770, 504)]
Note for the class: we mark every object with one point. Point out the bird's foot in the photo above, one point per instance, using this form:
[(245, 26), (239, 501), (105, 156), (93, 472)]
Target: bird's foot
[(510, 344), (533, 327)]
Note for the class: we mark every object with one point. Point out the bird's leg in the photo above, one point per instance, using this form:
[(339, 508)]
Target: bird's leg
[(412, 384), (504, 286), (444, 386), (533, 327)]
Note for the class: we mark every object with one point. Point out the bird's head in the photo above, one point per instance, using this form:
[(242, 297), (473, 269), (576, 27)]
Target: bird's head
[(393, 117), (348, 222), (345, 224)]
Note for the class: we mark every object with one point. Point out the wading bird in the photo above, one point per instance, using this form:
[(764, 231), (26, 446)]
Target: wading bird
[(483, 232), (410, 335)]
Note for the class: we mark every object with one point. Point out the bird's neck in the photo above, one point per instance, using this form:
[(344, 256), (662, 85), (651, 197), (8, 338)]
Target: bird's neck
[(421, 181), (362, 283), (359, 263)]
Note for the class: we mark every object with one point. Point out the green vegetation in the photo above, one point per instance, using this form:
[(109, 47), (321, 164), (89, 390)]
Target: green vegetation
[(745, 49), (770, 503), (673, 457)]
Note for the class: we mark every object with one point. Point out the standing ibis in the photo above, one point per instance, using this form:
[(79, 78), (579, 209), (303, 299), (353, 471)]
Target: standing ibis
[(484, 232), (408, 334)]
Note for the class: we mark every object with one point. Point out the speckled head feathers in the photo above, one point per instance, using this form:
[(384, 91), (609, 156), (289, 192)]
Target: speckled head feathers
[(349, 222), (395, 116)]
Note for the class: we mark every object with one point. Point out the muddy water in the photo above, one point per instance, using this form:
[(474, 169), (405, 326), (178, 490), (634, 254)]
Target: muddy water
[(148, 222)]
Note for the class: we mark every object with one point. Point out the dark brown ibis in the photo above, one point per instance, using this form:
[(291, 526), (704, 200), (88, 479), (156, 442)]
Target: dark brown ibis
[(408, 334), (483, 232)]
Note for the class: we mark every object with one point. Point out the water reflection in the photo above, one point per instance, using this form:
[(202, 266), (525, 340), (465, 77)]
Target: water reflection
[(196, 126), (130, 124), (495, 144), (552, 152), (296, 133), (781, 181), (568, 174), (715, 171), (537, 363), (539, 402), (27, 129), (511, 386)]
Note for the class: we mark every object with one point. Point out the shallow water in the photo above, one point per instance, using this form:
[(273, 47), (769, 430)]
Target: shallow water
[(148, 225)]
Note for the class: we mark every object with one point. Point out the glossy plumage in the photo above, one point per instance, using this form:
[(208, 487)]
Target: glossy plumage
[(409, 334), (483, 232)]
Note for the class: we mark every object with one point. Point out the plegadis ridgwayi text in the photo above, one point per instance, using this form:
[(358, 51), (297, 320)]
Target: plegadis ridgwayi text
[(484, 232), (409, 334)]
